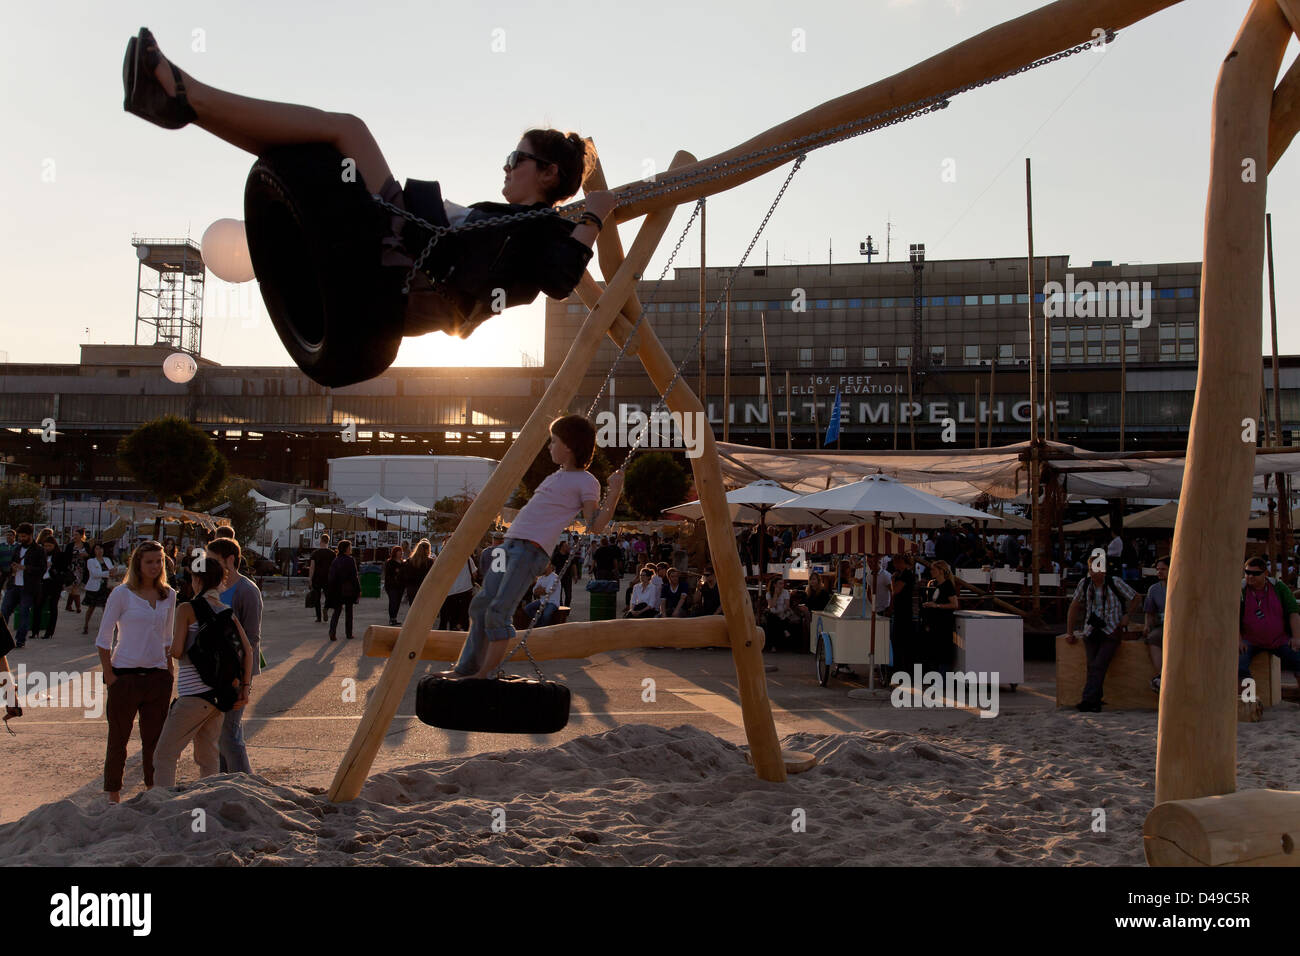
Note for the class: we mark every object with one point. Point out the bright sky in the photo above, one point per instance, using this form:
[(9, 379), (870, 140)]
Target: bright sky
[(1119, 140)]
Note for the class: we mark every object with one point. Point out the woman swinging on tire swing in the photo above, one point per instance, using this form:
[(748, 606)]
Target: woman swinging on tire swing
[(336, 268)]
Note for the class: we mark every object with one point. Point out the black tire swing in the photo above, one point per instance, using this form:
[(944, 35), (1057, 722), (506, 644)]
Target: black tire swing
[(315, 242)]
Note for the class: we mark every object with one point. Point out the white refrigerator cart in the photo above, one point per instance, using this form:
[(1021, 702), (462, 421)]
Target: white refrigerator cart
[(991, 642), (841, 637)]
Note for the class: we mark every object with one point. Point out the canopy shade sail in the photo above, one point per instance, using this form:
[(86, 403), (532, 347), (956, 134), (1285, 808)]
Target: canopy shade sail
[(136, 511), (966, 474)]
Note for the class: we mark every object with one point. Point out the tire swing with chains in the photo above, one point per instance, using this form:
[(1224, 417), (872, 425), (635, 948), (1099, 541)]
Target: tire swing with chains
[(315, 240)]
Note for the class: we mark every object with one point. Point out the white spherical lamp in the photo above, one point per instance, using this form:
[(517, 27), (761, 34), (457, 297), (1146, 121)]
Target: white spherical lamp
[(180, 367), (225, 251)]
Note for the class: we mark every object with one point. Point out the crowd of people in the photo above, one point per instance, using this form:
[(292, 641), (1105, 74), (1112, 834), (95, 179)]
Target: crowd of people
[(148, 628)]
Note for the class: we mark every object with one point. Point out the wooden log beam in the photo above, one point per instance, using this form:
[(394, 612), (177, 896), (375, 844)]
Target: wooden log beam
[(388, 693), (574, 640), (1248, 828), (1284, 115), (1019, 41), (1197, 737), (746, 641)]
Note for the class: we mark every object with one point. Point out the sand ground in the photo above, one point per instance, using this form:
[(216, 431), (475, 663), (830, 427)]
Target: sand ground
[(631, 780)]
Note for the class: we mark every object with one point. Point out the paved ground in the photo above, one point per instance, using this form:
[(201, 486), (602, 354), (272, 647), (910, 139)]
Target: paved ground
[(299, 723)]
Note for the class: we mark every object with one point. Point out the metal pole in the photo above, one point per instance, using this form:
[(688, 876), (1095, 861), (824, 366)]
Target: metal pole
[(1282, 480), (977, 411), (788, 442), (726, 369), (1034, 466), (704, 399), (1047, 350), (767, 386)]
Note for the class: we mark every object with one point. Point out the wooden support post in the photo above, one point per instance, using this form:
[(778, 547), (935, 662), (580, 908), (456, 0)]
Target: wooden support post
[(393, 682), (1197, 738), (746, 640)]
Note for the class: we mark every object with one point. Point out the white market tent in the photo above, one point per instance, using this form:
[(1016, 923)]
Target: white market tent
[(374, 505)]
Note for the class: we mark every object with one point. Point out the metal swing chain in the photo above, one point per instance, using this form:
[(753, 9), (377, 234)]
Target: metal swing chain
[(770, 155), (677, 373), (780, 151)]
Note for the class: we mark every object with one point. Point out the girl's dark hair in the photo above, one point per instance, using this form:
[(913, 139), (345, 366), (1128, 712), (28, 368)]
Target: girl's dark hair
[(573, 156), (579, 435), (208, 577), (394, 551), (345, 546)]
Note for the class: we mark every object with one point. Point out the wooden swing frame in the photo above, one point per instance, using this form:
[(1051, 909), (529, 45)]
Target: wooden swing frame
[(1196, 750)]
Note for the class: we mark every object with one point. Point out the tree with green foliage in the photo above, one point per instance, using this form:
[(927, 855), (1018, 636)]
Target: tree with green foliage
[(654, 481), (242, 513), (11, 514), (171, 458)]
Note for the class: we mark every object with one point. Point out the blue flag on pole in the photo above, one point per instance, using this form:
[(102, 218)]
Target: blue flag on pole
[(833, 429)]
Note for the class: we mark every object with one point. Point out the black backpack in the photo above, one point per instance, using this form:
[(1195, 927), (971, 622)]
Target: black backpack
[(217, 652)]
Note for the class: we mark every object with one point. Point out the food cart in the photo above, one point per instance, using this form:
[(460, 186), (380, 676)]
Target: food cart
[(840, 637)]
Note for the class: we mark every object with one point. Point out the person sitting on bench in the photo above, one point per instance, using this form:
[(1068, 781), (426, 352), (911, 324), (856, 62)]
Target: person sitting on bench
[(547, 596), (1270, 620), (644, 601)]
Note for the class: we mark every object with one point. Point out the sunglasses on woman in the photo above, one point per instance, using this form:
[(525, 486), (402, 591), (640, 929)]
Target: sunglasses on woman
[(518, 156)]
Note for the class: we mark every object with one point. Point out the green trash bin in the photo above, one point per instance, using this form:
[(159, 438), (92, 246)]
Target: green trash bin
[(371, 578), (603, 604)]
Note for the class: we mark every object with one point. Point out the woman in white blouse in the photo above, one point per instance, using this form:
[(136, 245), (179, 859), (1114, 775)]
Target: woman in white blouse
[(99, 569), (137, 668)]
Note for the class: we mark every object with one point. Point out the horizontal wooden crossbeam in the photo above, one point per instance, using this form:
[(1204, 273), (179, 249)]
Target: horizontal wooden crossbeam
[(575, 640)]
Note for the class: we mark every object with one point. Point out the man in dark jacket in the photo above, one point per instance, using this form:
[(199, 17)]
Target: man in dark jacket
[(26, 569), (318, 572)]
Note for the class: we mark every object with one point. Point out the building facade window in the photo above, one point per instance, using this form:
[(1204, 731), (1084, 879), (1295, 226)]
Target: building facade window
[(971, 354), (837, 356), (936, 355), (871, 355), (903, 354), (805, 358)]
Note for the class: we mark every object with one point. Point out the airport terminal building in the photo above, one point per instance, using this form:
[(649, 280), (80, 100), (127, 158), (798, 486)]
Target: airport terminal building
[(923, 352)]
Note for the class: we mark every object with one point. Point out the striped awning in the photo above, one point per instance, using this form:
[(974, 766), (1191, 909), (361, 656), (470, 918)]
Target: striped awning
[(855, 539)]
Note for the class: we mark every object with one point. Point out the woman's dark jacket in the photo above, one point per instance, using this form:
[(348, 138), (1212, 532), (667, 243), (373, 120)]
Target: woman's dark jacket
[(344, 586)]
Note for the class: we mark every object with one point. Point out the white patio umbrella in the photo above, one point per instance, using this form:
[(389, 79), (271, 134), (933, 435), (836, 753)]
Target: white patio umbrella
[(751, 502), (874, 497)]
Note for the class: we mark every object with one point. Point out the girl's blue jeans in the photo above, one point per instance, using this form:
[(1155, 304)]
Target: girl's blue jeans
[(493, 608)]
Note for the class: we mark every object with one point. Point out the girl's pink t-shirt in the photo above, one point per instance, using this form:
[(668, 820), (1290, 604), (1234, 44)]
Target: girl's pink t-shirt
[(557, 500)]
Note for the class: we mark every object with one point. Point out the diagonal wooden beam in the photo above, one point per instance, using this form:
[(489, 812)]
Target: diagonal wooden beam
[(1284, 116), (1291, 10), (388, 693), (1015, 43), (746, 639)]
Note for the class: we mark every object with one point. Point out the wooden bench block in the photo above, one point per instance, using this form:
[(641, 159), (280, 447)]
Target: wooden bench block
[(1128, 679)]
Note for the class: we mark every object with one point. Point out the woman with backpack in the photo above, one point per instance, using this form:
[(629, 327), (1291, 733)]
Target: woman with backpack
[(196, 713), (344, 588)]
